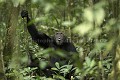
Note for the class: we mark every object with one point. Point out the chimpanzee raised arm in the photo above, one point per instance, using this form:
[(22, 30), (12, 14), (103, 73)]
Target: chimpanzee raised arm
[(58, 41), (40, 38)]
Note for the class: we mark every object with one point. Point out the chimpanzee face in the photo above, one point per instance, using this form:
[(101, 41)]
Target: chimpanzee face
[(59, 38)]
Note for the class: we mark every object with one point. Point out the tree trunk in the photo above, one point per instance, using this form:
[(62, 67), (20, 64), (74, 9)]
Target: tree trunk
[(115, 73), (11, 32), (2, 70)]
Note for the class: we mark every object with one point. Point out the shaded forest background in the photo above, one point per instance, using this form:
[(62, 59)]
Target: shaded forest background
[(92, 25)]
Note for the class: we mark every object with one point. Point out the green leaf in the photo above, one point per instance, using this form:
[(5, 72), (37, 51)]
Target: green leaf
[(67, 23), (17, 2), (88, 61), (59, 77), (48, 7), (55, 69), (69, 67), (57, 65), (92, 63), (100, 64), (83, 28), (43, 64), (99, 16), (88, 14)]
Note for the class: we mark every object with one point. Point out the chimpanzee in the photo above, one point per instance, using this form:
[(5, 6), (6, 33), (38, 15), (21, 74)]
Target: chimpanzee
[(58, 41)]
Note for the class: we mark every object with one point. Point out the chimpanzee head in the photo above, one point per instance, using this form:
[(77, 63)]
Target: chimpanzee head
[(59, 38), (24, 13)]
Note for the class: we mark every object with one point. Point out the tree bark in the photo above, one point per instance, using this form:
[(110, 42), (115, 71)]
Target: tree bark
[(2, 70), (115, 73), (11, 32)]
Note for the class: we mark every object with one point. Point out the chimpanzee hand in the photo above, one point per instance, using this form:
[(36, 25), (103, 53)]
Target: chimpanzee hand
[(24, 13)]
